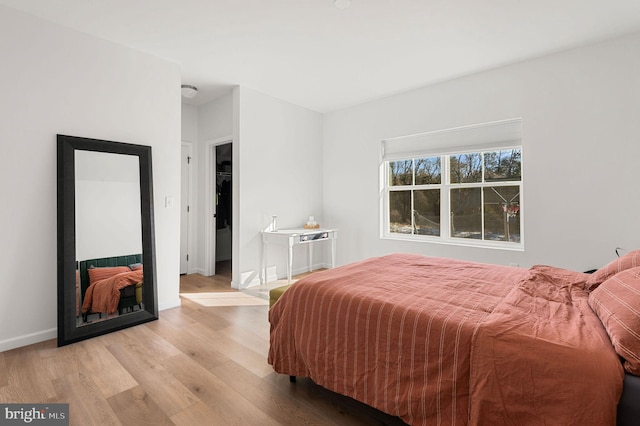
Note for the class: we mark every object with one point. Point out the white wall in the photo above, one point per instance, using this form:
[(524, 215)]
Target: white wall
[(189, 123), (215, 118), (580, 112), (55, 80), (278, 169), (189, 130)]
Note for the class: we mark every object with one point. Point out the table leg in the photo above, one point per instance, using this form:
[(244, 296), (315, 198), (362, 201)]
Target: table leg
[(263, 266), (333, 252)]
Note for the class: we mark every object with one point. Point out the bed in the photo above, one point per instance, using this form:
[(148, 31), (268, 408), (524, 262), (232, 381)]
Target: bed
[(441, 341), (110, 284)]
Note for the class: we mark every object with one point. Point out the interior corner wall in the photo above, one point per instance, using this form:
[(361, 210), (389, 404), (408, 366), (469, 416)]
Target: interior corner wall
[(279, 152), (189, 123), (579, 111), (59, 81)]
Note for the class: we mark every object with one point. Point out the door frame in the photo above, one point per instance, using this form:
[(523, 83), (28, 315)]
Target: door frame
[(210, 203), (191, 202)]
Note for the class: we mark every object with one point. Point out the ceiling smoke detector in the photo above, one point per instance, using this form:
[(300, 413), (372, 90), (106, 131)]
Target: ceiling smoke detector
[(189, 91)]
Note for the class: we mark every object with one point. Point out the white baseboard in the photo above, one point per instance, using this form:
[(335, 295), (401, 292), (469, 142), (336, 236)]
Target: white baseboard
[(28, 339), (304, 269), (272, 275), (168, 305), (41, 336)]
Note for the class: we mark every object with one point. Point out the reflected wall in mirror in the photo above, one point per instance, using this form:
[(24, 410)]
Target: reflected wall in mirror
[(106, 253)]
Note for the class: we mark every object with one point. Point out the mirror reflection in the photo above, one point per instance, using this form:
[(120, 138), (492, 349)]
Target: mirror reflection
[(109, 280)]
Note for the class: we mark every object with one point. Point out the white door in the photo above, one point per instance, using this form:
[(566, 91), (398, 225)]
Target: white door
[(185, 206)]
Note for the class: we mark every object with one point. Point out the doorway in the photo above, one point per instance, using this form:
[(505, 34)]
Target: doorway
[(223, 209), (218, 208)]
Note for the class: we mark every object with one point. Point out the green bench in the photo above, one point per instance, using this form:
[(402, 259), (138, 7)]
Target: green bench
[(275, 293)]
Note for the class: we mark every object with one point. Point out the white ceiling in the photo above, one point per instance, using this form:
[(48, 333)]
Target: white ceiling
[(317, 56)]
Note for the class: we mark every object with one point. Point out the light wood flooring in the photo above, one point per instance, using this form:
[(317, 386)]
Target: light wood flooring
[(194, 366)]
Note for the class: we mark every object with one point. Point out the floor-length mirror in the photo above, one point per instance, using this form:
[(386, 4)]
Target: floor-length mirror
[(106, 256)]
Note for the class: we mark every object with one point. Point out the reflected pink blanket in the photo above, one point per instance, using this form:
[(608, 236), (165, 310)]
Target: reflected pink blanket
[(104, 295), (441, 341)]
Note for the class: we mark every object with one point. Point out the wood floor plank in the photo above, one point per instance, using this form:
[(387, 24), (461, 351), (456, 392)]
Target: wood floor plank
[(106, 371), (87, 405), (27, 375), (197, 414), (197, 346), (273, 400), (176, 318), (4, 380), (136, 407), (245, 330), (162, 385), (142, 339), (242, 353), (202, 315), (59, 362), (253, 319), (230, 406), (196, 283)]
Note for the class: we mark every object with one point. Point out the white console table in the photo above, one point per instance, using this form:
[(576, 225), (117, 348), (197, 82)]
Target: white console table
[(292, 237)]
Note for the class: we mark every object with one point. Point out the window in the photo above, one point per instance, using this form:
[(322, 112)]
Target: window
[(470, 196)]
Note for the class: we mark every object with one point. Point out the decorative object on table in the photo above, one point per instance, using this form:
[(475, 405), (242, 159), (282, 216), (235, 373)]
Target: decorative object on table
[(274, 223), (311, 224)]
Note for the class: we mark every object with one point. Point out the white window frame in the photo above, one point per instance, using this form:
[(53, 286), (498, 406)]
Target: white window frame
[(486, 137)]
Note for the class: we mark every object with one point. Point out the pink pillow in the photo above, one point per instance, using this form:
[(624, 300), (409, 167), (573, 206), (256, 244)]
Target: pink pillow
[(617, 303), (97, 274), (629, 260)]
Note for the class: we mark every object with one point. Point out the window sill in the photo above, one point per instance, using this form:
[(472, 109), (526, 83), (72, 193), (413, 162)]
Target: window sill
[(494, 245)]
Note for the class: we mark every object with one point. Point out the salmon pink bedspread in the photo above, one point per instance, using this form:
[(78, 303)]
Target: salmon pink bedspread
[(440, 341)]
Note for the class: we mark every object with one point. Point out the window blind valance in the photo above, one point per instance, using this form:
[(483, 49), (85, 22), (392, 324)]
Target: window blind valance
[(476, 137)]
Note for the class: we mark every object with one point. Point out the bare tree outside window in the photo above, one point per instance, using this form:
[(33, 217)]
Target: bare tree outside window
[(466, 168), (483, 190), (502, 165), (400, 172), (428, 170)]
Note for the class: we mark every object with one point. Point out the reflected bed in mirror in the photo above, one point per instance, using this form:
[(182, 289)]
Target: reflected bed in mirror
[(109, 287), (105, 237)]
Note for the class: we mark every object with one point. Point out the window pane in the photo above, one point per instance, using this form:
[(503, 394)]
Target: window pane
[(466, 219), (502, 213), (400, 212), (466, 168), (427, 211), (400, 172), (427, 170), (502, 165)]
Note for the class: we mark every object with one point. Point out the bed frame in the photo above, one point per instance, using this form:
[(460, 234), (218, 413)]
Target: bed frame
[(629, 405), (128, 294)]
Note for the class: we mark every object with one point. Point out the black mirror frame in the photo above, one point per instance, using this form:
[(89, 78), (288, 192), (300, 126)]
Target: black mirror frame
[(68, 332)]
